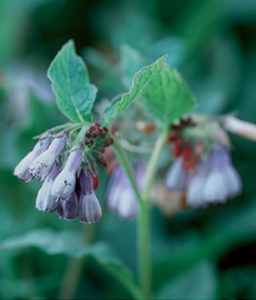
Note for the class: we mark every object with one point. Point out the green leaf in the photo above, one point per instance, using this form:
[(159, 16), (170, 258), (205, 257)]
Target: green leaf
[(168, 96), (198, 283), (131, 62), (71, 244), (140, 82), (70, 82)]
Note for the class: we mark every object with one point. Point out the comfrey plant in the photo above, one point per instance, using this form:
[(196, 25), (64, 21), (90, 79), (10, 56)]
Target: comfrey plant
[(66, 157)]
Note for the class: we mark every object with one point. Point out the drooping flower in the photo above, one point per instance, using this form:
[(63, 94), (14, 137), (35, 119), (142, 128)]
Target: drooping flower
[(120, 197), (43, 164), (202, 167), (89, 209), (64, 185), (68, 209), (176, 178), (22, 169), (45, 201)]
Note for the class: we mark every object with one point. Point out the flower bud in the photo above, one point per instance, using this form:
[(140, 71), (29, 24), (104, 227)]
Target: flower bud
[(89, 209)]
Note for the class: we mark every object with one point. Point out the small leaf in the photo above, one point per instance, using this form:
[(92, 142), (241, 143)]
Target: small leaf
[(70, 82), (198, 283), (140, 81), (168, 96)]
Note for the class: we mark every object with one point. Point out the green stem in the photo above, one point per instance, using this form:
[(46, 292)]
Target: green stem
[(144, 258), (127, 283), (127, 167)]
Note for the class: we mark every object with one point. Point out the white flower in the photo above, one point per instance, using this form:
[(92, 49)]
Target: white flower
[(64, 185), (45, 201), (177, 177), (42, 166), (22, 169), (89, 208)]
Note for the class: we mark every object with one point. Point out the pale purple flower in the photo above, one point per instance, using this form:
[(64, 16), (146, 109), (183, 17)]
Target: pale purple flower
[(43, 164), (176, 178), (64, 185), (45, 201), (22, 169), (195, 191), (89, 210), (223, 181), (68, 209), (120, 197)]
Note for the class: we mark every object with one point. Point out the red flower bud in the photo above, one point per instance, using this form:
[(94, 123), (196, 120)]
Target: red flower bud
[(173, 136), (97, 124), (94, 134), (99, 131), (91, 128), (177, 148), (87, 134), (95, 182)]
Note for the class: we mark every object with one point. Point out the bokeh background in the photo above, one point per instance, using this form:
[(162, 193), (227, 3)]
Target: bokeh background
[(198, 254)]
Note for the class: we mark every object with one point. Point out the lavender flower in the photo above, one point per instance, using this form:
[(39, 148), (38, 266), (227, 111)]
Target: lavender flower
[(45, 201), (223, 181), (22, 169), (214, 180), (42, 166), (195, 192), (68, 209), (177, 177), (64, 185), (89, 207), (120, 197)]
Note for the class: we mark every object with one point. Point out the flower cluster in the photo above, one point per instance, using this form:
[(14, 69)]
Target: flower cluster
[(202, 167), (69, 177)]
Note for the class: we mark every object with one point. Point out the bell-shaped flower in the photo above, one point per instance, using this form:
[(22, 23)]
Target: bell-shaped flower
[(89, 210), (68, 209), (120, 197), (177, 177), (218, 186), (42, 165), (22, 169), (195, 192), (45, 201), (64, 185)]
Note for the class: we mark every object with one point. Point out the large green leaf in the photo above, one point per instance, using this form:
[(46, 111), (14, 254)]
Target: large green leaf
[(71, 244), (168, 96), (198, 283), (141, 81), (75, 95)]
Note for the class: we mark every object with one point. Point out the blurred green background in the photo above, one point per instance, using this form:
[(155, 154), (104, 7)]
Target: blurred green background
[(197, 254)]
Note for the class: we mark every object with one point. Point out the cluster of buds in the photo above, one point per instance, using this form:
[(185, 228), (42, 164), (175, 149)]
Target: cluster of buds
[(96, 140), (202, 166), (69, 183)]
